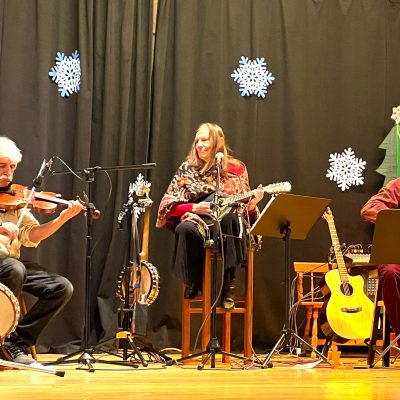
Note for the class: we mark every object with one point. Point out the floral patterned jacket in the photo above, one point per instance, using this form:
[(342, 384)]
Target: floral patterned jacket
[(188, 186)]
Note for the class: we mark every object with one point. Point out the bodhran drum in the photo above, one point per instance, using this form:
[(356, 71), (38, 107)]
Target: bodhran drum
[(9, 312)]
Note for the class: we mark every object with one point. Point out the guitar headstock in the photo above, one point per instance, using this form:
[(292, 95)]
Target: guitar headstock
[(279, 187), (328, 215)]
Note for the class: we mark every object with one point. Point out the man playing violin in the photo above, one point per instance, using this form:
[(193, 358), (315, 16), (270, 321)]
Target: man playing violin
[(51, 290)]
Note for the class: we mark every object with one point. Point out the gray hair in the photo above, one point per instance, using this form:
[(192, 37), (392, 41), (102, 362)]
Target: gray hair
[(8, 149)]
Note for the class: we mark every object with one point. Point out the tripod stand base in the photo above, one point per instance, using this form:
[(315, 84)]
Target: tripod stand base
[(85, 359), (283, 342), (130, 350), (213, 348)]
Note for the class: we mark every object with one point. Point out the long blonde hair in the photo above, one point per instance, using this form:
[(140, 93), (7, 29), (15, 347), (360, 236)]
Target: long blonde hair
[(217, 144)]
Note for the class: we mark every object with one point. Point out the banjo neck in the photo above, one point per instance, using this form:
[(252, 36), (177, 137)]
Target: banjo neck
[(144, 253)]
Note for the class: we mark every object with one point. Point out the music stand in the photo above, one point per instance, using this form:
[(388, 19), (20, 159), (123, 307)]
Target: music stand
[(289, 216), (384, 250)]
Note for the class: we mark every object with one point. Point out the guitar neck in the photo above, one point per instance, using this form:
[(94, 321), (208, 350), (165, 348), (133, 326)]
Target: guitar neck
[(241, 196), (272, 189), (338, 252)]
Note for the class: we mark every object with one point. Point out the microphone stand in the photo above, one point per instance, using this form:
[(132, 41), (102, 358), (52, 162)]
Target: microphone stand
[(86, 358)]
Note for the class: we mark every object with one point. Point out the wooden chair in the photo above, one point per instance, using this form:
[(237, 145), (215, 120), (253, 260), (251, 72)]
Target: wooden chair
[(201, 305), (313, 271)]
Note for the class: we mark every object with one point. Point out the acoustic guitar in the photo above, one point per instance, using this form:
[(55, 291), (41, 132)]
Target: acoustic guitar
[(347, 312), (226, 203)]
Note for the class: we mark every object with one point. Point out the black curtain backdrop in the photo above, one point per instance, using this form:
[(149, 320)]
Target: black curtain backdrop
[(106, 124), (335, 65)]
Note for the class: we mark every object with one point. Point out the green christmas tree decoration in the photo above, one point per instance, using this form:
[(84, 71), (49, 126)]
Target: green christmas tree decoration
[(390, 167)]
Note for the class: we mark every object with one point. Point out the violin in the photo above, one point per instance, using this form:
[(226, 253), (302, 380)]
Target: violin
[(18, 196)]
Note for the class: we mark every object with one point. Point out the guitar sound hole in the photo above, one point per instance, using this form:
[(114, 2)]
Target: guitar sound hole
[(346, 289)]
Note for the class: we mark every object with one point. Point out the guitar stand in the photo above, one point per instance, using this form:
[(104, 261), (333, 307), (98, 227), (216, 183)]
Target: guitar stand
[(125, 333), (127, 336), (86, 358), (128, 212)]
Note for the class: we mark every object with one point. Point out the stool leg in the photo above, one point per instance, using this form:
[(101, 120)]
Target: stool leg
[(185, 334), (226, 338), (248, 314), (307, 328), (314, 332)]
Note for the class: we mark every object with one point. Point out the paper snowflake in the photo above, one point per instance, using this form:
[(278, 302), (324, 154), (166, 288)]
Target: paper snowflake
[(396, 114), (346, 169), (252, 77), (67, 73)]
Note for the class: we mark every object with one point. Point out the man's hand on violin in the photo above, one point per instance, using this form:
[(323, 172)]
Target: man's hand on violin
[(74, 208), (9, 229)]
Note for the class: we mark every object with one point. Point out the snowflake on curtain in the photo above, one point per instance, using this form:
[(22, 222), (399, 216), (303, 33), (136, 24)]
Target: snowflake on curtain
[(140, 188), (67, 73), (346, 169), (252, 77)]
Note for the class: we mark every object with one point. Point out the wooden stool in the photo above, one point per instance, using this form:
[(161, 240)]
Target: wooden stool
[(202, 305), (23, 310)]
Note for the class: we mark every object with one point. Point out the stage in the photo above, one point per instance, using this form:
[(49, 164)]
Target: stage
[(287, 379)]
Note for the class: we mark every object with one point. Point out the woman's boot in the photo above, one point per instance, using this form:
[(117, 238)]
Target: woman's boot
[(228, 296)]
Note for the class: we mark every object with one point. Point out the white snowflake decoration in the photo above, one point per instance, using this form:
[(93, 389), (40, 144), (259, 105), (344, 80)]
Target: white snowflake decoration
[(142, 189), (253, 77), (67, 73), (396, 114), (346, 169)]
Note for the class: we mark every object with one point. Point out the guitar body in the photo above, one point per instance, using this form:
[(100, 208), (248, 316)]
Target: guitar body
[(347, 311)]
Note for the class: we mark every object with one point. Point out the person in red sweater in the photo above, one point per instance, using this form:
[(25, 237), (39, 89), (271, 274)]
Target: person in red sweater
[(187, 205), (389, 274)]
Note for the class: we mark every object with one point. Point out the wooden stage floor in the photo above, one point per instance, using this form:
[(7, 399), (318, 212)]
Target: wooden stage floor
[(285, 380)]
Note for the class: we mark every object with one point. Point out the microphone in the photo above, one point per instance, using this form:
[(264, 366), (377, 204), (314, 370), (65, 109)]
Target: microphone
[(219, 156), (44, 170)]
